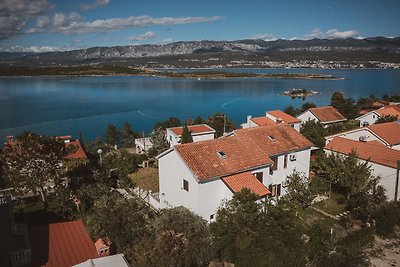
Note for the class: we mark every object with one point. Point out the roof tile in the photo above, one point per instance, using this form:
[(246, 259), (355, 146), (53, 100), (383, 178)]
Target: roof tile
[(366, 151), (284, 116), (242, 180), (194, 129), (327, 114), (389, 131)]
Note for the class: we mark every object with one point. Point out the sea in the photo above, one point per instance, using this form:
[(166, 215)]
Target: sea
[(64, 105)]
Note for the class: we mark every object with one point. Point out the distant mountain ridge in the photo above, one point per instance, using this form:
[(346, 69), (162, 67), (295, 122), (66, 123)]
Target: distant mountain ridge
[(280, 50)]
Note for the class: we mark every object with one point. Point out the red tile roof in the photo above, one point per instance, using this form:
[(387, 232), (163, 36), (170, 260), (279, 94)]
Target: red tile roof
[(389, 131), (275, 140), (366, 151), (284, 116), (194, 129), (392, 110), (203, 160), (242, 180), (61, 244), (79, 152), (246, 149), (263, 121), (327, 114)]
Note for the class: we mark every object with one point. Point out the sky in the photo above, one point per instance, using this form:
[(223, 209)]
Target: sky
[(51, 25)]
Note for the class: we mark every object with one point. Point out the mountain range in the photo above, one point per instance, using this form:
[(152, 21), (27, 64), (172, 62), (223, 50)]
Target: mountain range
[(239, 53)]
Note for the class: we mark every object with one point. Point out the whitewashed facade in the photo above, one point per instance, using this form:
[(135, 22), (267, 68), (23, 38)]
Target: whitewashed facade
[(204, 198), (175, 139), (368, 118)]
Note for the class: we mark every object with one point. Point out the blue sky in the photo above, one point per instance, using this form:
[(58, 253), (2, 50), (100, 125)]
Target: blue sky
[(48, 25)]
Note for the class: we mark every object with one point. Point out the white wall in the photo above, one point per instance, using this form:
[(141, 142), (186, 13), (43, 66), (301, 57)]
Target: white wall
[(296, 126), (370, 118), (387, 174), (306, 116), (355, 135), (172, 171), (301, 164), (202, 137)]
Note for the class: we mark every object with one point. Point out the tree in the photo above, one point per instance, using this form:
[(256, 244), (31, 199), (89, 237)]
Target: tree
[(387, 118), (220, 122), (186, 135), (112, 135), (171, 122), (291, 111), (119, 164), (307, 106), (345, 106), (128, 135), (33, 163), (123, 220), (298, 190), (346, 171), (314, 131), (198, 120), (159, 141), (179, 238), (248, 236)]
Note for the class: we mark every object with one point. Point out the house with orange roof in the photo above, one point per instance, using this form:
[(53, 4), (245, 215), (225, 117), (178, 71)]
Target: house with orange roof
[(200, 175), (325, 115), (383, 161), (199, 132), (272, 117), (387, 134), (373, 116)]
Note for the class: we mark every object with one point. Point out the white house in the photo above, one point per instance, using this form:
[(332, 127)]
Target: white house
[(143, 145), (387, 134), (374, 115), (325, 115), (199, 132), (382, 160), (271, 118), (199, 176)]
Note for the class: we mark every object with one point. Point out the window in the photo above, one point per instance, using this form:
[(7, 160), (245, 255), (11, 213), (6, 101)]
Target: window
[(211, 217), (272, 138), (221, 154), (274, 167), (186, 185), (259, 176), (285, 162), (275, 189), (170, 138)]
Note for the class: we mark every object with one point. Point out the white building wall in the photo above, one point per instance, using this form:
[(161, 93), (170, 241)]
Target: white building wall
[(202, 137), (368, 119), (301, 165), (387, 175), (306, 116), (172, 171), (355, 135), (172, 138), (296, 126)]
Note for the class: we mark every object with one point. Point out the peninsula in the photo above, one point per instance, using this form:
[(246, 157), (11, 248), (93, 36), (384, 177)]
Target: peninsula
[(112, 70)]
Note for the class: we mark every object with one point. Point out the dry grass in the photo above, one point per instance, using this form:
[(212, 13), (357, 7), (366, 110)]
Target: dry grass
[(146, 178)]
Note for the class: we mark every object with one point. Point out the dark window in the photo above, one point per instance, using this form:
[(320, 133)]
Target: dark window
[(185, 185), (272, 138), (285, 161), (274, 167), (211, 217), (275, 189), (259, 176), (221, 154)]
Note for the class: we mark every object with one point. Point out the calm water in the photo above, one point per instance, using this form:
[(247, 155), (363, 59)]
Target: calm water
[(63, 105)]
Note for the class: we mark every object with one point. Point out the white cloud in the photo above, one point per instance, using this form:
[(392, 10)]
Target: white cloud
[(34, 48), (332, 34), (144, 36), (76, 26), (264, 36), (94, 5), (14, 15)]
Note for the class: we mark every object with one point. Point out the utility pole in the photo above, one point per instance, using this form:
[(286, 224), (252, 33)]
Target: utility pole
[(397, 180)]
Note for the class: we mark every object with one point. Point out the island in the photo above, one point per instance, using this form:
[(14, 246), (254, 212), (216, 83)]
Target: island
[(300, 93), (113, 70)]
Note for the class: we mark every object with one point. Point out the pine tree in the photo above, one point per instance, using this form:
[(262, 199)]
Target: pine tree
[(111, 135), (128, 135), (186, 135)]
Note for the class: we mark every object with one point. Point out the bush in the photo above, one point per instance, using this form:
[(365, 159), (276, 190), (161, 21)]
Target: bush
[(387, 218)]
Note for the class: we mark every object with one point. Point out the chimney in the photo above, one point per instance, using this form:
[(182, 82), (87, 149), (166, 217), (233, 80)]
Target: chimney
[(279, 120)]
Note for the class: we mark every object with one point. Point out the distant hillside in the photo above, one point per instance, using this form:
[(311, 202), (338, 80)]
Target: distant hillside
[(251, 53)]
